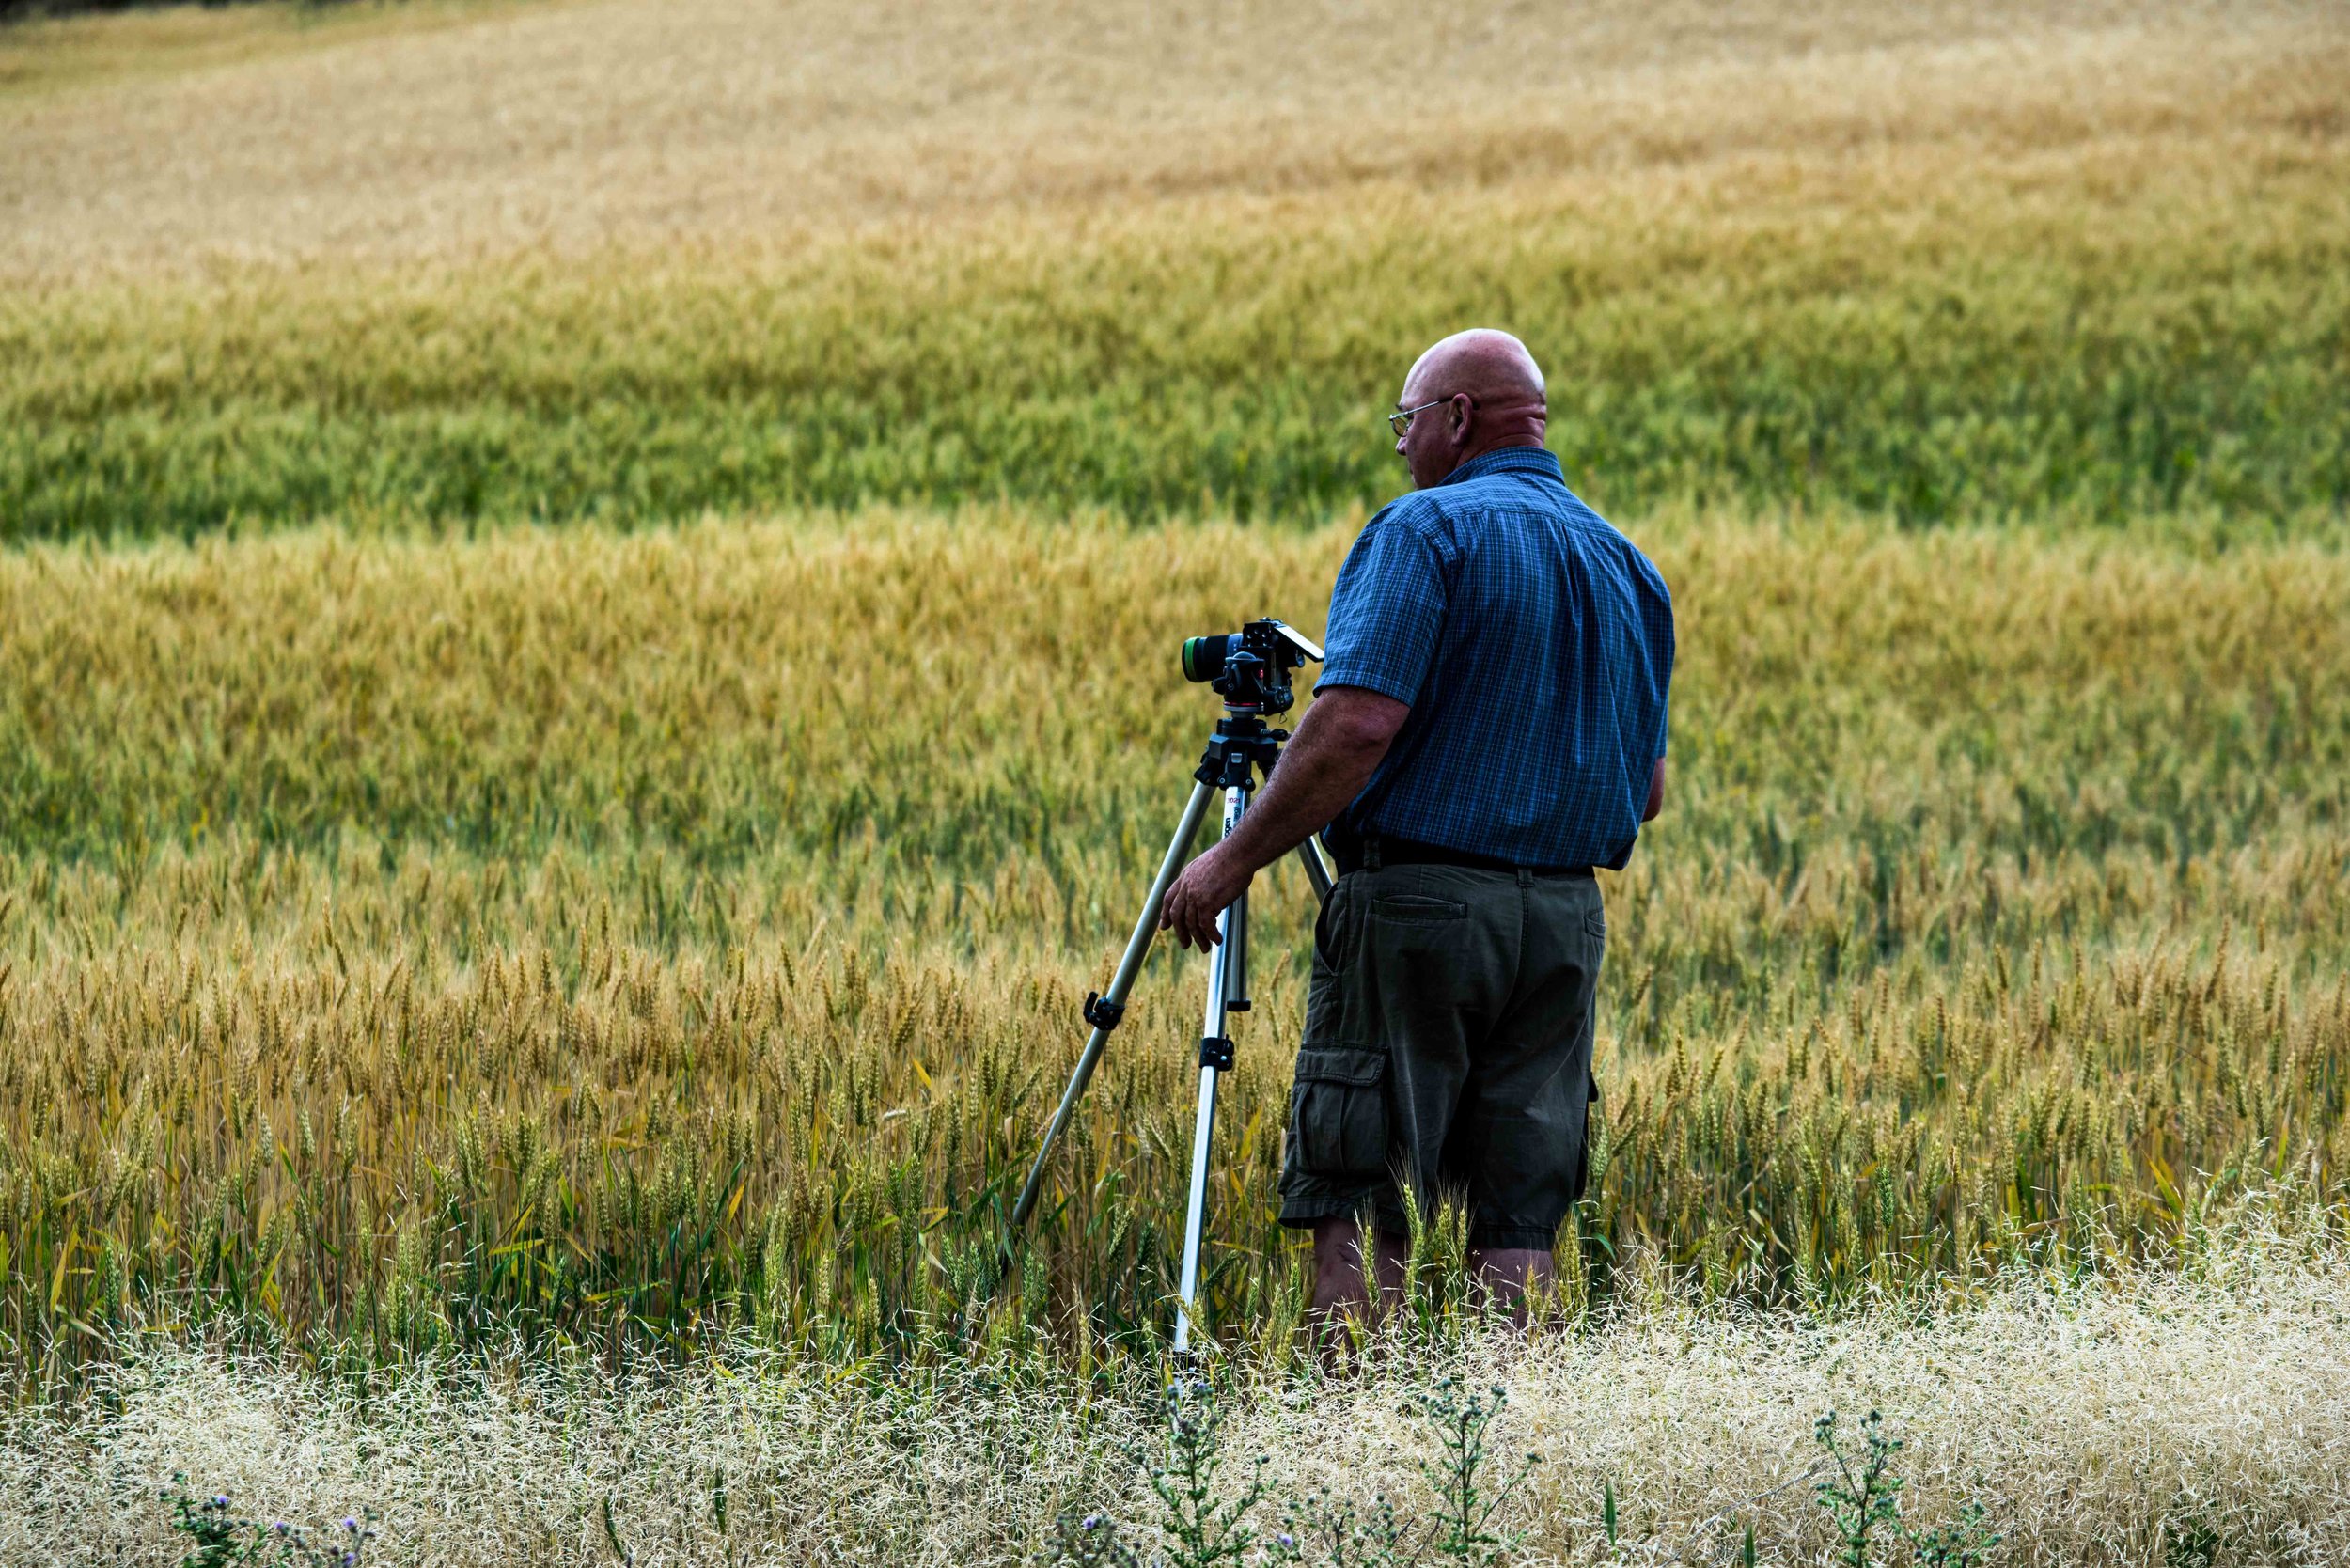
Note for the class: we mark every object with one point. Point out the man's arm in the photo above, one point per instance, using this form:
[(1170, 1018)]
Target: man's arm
[(1655, 792), (1337, 746)]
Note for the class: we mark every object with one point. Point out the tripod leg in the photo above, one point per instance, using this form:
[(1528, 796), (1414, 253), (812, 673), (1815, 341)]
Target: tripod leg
[(1236, 963), (1137, 948), (1216, 1054), (1316, 873)]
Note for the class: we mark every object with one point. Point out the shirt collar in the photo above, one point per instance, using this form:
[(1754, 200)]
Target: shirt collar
[(1509, 460)]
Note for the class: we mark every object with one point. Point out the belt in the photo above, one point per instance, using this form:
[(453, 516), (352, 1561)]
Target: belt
[(1371, 852)]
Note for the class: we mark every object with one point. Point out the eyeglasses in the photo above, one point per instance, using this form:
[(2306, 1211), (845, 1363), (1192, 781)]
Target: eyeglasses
[(1401, 420)]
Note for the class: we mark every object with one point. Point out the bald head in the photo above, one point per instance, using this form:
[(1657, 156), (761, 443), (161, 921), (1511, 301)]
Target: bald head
[(1490, 395), (1488, 364)]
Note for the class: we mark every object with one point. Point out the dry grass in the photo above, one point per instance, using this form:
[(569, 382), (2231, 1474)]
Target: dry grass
[(2113, 1424), (637, 123)]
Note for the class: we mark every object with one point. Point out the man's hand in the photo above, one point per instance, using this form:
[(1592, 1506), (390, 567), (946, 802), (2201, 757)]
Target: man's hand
[(1338, 745), (1205, 890)]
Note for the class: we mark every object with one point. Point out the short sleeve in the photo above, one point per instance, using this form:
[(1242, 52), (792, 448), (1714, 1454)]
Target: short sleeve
[(1386, 612), (1659, 616)]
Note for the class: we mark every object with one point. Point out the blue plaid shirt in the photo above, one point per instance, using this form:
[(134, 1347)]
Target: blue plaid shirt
[(1534, 643)]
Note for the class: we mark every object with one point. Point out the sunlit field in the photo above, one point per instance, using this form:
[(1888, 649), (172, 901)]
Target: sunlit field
[(615, 937), (1977, 269), (587, 679)]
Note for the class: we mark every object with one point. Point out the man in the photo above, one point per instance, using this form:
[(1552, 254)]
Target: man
[(1488, 727)]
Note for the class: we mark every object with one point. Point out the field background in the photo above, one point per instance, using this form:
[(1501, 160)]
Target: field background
[(632, 262), (587, 679)]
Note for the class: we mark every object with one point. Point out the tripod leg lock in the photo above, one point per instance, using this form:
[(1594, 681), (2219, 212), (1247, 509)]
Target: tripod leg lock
[(1215, 1051), (1103, 1014)]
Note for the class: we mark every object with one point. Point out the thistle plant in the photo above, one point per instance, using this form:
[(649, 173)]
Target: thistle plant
[(217, 1536), (1468, 1502), (1089, 1540), (1863, 1499), (1965, 1542), (1331, 1533), (1202, 1526)]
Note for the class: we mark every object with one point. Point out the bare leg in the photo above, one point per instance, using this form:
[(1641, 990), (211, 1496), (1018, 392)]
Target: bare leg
[(1338, 1283), (1507, 1274)]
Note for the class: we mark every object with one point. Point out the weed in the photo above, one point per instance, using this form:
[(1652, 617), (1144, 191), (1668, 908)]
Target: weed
[(1337, 1532), (218, 1537), (1202, 1523), (2189, 1542), (1467, 1498), (1862, 1498)]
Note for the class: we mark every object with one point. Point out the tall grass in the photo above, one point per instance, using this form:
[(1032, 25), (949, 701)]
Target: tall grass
[(620, 938)]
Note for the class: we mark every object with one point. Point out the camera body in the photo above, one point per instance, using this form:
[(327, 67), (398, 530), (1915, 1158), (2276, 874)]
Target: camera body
[(1250, 668)]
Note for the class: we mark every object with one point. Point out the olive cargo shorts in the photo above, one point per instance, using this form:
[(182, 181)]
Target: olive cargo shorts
[(1448, 1041)]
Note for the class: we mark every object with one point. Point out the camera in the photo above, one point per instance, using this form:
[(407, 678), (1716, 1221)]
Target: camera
[(1250, 667)]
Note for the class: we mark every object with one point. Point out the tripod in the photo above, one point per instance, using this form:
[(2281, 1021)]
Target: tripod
[(1241, 749)]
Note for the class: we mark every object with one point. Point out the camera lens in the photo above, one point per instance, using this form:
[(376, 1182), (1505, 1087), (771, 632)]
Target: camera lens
[(1203, 657)]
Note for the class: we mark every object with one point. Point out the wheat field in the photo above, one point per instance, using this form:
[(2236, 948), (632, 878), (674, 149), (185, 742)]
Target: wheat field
[(590, 948), (389, 131), (589, 598), (1968, 266)]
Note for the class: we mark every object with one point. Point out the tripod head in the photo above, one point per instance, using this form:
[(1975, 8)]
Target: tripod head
[(1250, 669)]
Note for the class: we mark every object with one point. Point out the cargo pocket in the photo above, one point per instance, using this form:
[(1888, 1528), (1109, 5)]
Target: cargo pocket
[(1338, 1111)]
